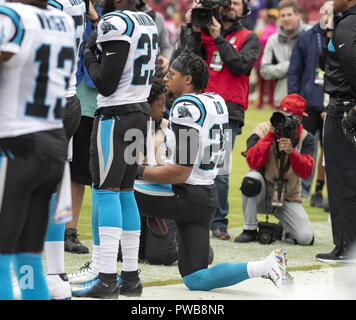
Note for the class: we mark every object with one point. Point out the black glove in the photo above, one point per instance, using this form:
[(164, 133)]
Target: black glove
[(91, 42), (348, 125), (139, 172)]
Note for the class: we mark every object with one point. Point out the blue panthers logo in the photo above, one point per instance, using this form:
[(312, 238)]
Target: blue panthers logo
[(107, 27), (183, 112)]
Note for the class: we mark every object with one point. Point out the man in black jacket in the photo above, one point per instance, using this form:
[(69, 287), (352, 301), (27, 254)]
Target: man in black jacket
[(230, 51), (340, 156)]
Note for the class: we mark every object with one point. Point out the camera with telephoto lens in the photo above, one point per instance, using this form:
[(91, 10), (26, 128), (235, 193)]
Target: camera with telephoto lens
[(268, 232), (285, 124), (203, 16)]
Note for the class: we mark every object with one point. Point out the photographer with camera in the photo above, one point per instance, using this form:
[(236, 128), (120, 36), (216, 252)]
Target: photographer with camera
[(340, 155), (214, 31), (280, 154)]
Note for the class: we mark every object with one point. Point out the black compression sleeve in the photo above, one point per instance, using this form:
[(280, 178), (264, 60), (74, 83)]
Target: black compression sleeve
[(106, 75), (187, 145)]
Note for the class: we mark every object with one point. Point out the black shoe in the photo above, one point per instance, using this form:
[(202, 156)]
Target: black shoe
[(71, 242), (316, 200), (335, 256), (131, 285), (97, 288), (246, 236), (221, 233)]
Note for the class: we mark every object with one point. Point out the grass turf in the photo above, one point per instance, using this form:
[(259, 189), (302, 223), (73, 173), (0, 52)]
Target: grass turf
[(300, 257)]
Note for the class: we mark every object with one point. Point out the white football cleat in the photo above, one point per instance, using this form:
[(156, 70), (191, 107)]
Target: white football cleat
[(276, 264), (85, 273), (59, 287)]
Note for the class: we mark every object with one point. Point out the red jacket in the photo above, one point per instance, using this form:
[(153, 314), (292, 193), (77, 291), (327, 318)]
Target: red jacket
[(224, 80), (257, 156)]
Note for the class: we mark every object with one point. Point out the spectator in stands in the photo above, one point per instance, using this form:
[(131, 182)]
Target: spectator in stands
[(266, 86), (173, 25), (306, 78), (276, 55), (165, 49)]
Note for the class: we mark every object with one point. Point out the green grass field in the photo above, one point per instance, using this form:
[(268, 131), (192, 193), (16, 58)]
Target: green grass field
[(300, 257)]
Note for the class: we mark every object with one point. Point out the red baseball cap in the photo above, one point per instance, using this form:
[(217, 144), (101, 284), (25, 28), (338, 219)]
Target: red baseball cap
[(293, 103)]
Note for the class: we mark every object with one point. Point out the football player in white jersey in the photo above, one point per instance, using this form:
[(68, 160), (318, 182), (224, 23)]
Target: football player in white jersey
[(57, 280), (34, 71), (191, 197), (127, 41)]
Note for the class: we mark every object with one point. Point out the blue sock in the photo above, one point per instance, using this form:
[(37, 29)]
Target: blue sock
[(94, 218), (130, 214), (221, 275), (30, 275), (109, 208), (5, 277), (55, 231)]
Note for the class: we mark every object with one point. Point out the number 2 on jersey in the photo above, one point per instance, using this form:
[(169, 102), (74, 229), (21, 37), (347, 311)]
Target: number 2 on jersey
[(139, 77)]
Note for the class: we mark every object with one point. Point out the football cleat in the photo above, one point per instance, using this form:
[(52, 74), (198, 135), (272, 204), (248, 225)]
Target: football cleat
[(59, 287), (97, 288), (131, 285), (85, 273), (276, 264)]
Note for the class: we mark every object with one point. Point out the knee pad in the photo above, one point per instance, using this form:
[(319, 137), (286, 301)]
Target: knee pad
[(250, 187)]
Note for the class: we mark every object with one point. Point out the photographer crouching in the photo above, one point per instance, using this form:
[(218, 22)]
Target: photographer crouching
[(279, 154)]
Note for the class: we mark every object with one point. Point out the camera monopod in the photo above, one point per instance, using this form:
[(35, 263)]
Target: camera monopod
[(279, 185)]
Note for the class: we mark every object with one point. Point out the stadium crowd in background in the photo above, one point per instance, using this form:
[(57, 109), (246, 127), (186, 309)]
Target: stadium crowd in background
[(249, 45)]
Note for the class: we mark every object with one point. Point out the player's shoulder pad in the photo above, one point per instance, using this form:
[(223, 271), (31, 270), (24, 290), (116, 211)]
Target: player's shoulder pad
[(10, 12), (188, 110), (115, 25), (55, 4)]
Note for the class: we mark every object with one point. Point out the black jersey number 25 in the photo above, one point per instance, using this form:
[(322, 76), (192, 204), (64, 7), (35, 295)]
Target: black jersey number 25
[(140, 77)]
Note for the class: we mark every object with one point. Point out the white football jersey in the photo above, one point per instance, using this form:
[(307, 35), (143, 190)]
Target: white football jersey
[(208, 114), (77, 10), (140, 31), (34, 81)]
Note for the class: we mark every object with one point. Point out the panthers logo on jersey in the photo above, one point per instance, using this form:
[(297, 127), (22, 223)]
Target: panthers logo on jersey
[(183, 112), (107, 27)]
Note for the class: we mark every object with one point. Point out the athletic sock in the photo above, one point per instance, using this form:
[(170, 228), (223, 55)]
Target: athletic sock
[(5, 277), (109, 246), (55, 256), (219, 276), (95, 258), (54, 244), (256, 269), (94, 218), (130, 244), (319, 186), (30, 275), (131, 229), (110, 227)]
